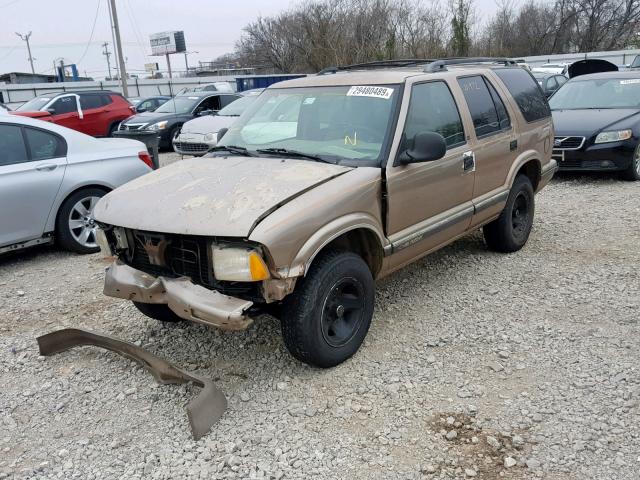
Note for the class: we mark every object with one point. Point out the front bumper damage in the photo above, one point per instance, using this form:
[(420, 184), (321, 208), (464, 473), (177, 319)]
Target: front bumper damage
[(203, 411), (186, 299)]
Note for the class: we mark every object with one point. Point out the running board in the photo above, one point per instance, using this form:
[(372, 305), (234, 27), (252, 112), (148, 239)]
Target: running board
[(203, 411)]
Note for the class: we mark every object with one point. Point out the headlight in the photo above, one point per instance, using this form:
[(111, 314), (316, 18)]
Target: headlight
[(238, 264), (157, 126), (616, 136), (210, 137)]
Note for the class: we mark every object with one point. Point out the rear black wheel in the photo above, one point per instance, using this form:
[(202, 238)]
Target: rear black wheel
[(158, 311), (325, 320), (510, 231)]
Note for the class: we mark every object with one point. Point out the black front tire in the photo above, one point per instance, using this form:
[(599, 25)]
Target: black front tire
[(158, 311), (325, 320), (633, 172), (510, 231)]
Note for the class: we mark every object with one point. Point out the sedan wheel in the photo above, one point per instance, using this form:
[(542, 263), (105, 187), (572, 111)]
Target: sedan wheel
[(633, 172), (75, 226)]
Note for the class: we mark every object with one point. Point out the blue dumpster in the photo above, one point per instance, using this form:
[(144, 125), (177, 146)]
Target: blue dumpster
[(261, 81)]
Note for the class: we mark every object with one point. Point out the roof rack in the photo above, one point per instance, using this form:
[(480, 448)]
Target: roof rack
[(441, 64), (398, 63), (433, 64)]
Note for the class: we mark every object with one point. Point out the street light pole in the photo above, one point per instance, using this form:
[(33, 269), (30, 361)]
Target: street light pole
[(116, 29), (26, 39), (186, 60)]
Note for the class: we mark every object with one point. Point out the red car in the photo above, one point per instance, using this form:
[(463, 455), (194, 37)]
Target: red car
[(95, 113)]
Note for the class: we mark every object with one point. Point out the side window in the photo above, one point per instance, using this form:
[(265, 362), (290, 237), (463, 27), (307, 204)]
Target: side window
[(106, 99), (433, 109), (483, 110), (503, 115), (561, 79), (12, 147), (147, 105), (211, 103), (227, 99), (551, 84), (526, 93), (65, 105), (87, 102), (44, 145)]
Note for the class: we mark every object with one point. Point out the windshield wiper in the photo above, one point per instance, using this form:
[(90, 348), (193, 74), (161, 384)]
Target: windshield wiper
[(233, 149), (294, 154)]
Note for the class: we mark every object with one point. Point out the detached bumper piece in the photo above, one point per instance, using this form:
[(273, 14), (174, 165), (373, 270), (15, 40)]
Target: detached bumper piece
[(186, 299), (203, 411)]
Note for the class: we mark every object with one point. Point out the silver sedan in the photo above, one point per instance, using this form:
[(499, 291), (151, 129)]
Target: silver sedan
[(51, 177)]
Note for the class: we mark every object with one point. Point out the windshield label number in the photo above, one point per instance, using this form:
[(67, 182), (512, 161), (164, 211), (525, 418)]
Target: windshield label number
[(364, 91), (628, 82)]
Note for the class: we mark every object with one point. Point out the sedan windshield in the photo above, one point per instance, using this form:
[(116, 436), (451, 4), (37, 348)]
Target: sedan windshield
[(179, 105), (34, 105), (348, 123), (598, 93)]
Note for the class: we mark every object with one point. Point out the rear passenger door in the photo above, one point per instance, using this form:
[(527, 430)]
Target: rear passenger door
[(32, 165), (429, 203), (494, 142)]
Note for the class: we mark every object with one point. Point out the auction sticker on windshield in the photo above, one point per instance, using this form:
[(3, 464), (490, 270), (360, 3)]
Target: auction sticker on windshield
[(629, 82), (364, 91)]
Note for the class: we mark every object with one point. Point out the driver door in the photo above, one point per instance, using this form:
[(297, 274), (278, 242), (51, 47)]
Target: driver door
[(66, 112), (430, 203)]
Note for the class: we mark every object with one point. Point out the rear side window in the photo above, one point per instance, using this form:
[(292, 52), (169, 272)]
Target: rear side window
[(44, 145), (12, 147), (227, 99), (483, 110), (503, 116), (526, 93), (561, 79), (106, 99), (88, 102), (433, 109)]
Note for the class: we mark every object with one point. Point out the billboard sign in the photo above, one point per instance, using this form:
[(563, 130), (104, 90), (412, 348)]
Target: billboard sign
[(151, 67), (164, 43)]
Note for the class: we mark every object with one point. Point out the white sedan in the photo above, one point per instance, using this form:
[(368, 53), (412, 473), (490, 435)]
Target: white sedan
[(51, 177)]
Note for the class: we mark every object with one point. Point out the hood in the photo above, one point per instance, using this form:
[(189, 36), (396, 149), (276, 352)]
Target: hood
[(588, 122), (207, 124), (151, 117), (211, 196), (34, 114)]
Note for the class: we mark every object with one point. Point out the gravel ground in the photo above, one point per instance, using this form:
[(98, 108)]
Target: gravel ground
[(477, 365)]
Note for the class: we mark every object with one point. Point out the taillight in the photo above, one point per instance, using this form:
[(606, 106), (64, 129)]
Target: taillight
[(146, 158)]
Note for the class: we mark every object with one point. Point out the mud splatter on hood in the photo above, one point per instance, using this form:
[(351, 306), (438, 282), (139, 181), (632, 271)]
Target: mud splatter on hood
[(220, 196)]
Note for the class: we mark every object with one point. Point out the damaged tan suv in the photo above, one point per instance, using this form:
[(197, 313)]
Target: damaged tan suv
[(325, 184)]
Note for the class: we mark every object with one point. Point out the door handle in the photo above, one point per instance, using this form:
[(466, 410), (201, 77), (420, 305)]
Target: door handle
[(468, 161), (47, 168)]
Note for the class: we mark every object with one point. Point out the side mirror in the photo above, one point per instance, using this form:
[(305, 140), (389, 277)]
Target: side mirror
[(204, 113), (221, 133), (427, 146), (141, 110), (51, 110)]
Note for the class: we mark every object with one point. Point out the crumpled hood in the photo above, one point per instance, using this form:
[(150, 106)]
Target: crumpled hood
[(211, 196), (207, 124)]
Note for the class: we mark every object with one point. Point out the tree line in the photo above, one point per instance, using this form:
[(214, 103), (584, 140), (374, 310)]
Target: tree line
[(322, 33)]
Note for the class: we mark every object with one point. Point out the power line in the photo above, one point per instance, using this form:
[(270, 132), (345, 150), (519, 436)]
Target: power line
[(95, 19)]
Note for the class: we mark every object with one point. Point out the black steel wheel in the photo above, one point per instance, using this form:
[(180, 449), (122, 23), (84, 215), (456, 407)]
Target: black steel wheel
[(510, 231), (325, 320)]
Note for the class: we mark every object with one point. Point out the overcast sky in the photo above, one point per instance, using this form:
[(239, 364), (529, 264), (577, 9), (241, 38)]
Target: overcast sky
[(63, 28)]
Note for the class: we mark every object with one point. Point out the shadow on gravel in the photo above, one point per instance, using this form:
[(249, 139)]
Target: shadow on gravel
[(32, 254)]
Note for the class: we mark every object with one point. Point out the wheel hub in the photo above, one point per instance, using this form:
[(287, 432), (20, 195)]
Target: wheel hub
[(343, 311)]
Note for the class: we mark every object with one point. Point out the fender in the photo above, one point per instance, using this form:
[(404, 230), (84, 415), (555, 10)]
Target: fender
[(332, 230)]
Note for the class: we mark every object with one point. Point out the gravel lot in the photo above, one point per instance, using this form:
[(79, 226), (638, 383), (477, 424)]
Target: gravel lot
[(477, 365)]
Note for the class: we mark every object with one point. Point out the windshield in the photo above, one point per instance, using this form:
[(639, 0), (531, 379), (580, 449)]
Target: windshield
[(236, 108), (335, 123), (598, 93), (179, 105), (34, 105)]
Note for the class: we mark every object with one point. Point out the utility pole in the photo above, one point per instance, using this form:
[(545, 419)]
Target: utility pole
[(26, 39), (113, 39), (107, 54), (116, 29), (169, 65)]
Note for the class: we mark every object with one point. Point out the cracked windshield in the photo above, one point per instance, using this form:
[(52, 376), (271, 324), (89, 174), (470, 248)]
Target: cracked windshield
[(336, 124)]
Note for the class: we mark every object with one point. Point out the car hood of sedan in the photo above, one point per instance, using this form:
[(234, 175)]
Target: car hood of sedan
[(588, 122), (207, 124), (212, 196), (149, 118)]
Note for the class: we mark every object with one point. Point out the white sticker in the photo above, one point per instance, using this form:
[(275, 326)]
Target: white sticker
[(376, 92), (309, 100), (627, 82), (194, 98)]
